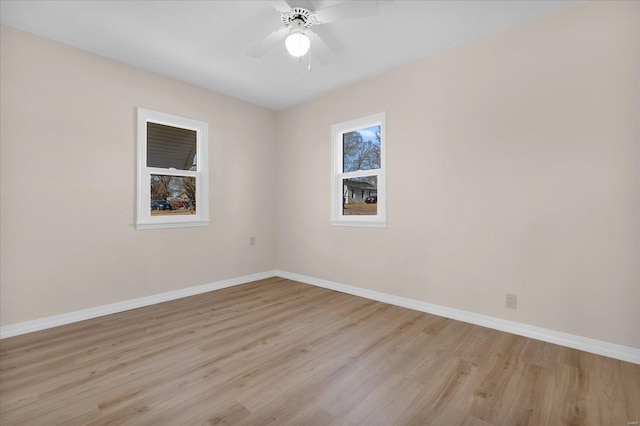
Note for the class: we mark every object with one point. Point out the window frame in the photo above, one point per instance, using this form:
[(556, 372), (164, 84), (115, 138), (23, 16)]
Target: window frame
[(338, 218), (144, 219)]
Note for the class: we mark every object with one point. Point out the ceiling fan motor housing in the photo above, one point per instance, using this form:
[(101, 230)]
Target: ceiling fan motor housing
[(298, 18)]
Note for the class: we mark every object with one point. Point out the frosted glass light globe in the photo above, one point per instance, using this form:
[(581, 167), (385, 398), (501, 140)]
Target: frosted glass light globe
[(297, 44)]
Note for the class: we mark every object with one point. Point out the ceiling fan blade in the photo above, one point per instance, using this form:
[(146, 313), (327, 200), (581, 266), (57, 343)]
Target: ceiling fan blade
[(332, 42), (347, 10), (320, 50), (267, 43), (304, 4), (281, 6)]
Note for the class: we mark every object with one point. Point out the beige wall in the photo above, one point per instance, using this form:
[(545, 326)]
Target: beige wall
[(513, 166), (68, 182)]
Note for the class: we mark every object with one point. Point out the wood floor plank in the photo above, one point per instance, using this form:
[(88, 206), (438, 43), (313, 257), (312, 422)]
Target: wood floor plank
[(448, 396), (280, 352)]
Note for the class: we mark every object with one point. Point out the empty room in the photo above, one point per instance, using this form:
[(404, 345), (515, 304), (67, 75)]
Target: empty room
[(320, 212)]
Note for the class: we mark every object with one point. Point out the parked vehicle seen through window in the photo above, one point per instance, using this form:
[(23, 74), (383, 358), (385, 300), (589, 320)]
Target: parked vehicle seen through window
[(161, 205)]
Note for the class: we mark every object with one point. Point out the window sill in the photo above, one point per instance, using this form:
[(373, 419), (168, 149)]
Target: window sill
[(165, 225), (360, 223)]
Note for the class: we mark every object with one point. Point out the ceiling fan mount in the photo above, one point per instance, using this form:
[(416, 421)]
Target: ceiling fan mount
[(298, 17)]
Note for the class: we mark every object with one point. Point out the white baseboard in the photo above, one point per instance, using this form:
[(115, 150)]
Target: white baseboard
[(98, 311), (611, 350), (598, 347)]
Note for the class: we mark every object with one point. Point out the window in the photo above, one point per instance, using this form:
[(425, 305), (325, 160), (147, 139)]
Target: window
[(358, 187), (172, 171)]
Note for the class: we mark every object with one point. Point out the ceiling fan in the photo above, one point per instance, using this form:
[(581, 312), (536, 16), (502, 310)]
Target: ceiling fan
[(299, 21)]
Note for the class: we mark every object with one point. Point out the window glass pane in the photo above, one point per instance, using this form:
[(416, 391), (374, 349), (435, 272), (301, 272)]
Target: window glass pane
[(361, 149), (173, 195), (360, 196), (171, 147)]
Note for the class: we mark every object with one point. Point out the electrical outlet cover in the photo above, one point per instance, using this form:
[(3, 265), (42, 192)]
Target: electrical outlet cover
[(512, 301)]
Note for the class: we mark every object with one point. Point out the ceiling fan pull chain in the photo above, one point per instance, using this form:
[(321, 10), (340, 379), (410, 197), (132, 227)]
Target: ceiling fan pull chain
[(309, 67)]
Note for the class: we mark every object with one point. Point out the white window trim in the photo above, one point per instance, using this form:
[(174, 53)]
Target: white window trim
[(337, 217), (144, 220)]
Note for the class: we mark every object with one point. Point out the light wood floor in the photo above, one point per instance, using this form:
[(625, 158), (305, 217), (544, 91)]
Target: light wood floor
[(280, 352)]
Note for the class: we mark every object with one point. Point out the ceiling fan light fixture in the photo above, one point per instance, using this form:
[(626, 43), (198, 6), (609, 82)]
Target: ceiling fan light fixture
[(297, 43)]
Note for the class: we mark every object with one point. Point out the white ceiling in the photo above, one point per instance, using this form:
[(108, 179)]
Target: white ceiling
[(205, 42)]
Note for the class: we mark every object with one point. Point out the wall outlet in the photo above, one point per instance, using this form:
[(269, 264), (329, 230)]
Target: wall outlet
[(512, 301), (252, 241)]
